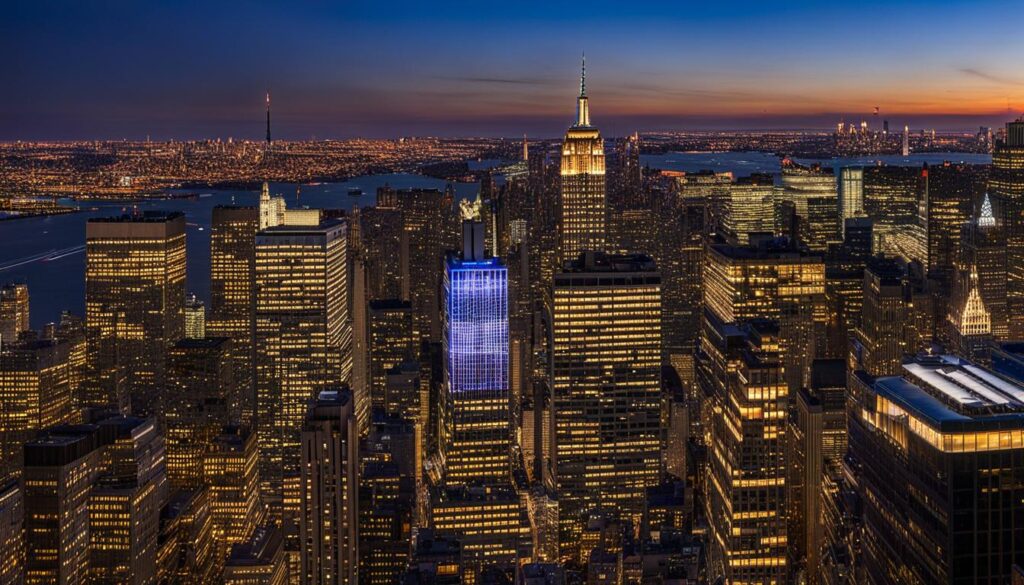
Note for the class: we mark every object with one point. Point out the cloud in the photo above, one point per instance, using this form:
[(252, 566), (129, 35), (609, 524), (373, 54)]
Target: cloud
[(982, 74), (497, 80)]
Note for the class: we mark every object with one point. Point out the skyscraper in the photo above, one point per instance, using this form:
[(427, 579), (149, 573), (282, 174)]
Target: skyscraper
[(390, 342), (1006, 186), (134, 306), (746, 500), (851, 193), (771, 280), (584, 211), (983, 245), (201, 398), (605, 322), (475, 434), (35, 394), (232, 292), (231, 476), (936, 447), (329, 493), (882, 339), (13, 311), (749, 207), (302, 340), (195, 318)]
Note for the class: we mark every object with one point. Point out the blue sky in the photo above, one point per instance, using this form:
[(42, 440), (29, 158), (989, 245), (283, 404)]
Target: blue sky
[(355, 68)]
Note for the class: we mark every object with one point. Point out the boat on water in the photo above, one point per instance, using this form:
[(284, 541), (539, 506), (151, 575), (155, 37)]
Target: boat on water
[(355, 192)]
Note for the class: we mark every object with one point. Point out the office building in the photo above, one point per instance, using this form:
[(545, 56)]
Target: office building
[(937, 446), (302, 340), (201, 398), (329, 491), (260, 560), (746, 492), (35, 393), (851, 193), (772, 280), (475, 435), (887, 330), (749, 208), (584, 208), (13, 311), (390, 342), (231, 476), (233, 290), (983, 246), (134, 306), (195, 318), (605, 323), (1006, 187)]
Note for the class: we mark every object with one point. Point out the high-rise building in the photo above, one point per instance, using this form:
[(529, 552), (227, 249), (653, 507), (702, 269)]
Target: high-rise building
[(187, 548), (605, 323), (746, 499), (816, 444), (260, 560), (772, 280), (970, 322), (329, 493), (851, 193), (947, 204), (13, 311), (233, 292), (12, 532), (749, 208), (60, 470), (983, 245), (383, 245), (390, 343), (429, 229), (125, 503), (35, 394), (888, 307), (201, 398), (892, 195), (230, 473), (937, 447), (195, 318), (302, 338), (1006, 187), (272, 209), (134, 306), (822, 224), (584, 208), (475, 434), (800, 184)]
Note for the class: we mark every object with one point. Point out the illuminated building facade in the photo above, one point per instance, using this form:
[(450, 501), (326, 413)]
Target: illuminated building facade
[(584, 208), (746, 492), (260, 560), (749, 207), (230, 473), (59, 473), (35, 394), (851, 193), (382, 248), (201, 398), (892, 195), (302, 338), (13, 311), (984, 246), (12, 532), (475, 434), (232, 292), (134, 306), (605, 315), (822, 224), (429, 229), (1006, 187), (937, 447), (195, 318), (390, 342), (883, 337), (773, 281), (801, 184), (329, 493), (945, 208), (490, 523)]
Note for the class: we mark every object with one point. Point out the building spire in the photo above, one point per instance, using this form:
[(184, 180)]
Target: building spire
[(582, 107), (268, 117), (583, 76), (986, 219)]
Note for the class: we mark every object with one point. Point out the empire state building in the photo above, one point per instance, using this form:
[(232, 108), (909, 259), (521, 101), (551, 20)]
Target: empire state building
[(583, 185)]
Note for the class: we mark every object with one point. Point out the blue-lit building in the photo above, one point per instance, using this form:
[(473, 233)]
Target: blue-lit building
[(475, 415)]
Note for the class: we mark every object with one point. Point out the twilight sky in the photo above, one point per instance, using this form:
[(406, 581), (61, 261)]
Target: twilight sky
[(342, 68)]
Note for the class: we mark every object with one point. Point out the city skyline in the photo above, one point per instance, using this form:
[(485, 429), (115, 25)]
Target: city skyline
[(172, 72)]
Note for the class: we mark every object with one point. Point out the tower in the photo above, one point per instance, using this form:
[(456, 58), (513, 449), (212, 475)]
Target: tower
[(268, 117), (583, 183), (134, 305)]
